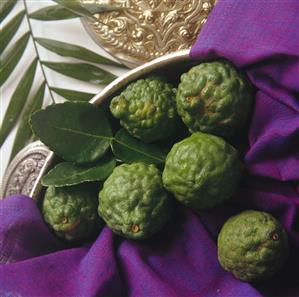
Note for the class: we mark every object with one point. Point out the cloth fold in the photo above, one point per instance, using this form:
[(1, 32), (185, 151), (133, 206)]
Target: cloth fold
[(261, 38)]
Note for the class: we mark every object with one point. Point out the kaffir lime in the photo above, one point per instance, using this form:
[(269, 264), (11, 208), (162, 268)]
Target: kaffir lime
[(202, 171), (252, 245), (214, 98), (146, 108), (133, 202), (71, 211)]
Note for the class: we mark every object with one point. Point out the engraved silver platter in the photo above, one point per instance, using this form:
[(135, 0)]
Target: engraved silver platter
[(143, 30), (25, 171)]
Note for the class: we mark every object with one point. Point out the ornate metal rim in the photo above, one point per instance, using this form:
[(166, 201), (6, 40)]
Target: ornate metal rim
[(120, 50), (137, 72), (94, 37), (15, 181)]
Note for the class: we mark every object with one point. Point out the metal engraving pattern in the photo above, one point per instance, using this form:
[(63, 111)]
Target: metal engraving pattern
[(147, 29), (24, 170)]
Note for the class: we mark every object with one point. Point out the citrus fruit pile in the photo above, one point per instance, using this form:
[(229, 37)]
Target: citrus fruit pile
[(201, 170)]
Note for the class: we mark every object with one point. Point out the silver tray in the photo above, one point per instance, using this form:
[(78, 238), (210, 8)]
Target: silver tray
[(147, 29), (25, 171)]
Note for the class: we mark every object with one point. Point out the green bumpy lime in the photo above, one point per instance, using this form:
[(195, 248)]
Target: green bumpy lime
[(202, 171), (214, 98), (252, 245), (71, 212), (133, 202), (147, 109)]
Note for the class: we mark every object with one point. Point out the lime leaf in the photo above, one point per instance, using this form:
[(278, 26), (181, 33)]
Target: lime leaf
[(5, 7), (24, 132), (95, 8), (76, 131), (17, 102), (53, 13), (9, 30), (72, 95), (74, 51), (68, 174), (75, 7), (129, 149), (85, 9), (81, 71), (8, 64)]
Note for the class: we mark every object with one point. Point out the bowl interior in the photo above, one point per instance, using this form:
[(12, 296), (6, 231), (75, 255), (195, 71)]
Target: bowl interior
[(170, 66)]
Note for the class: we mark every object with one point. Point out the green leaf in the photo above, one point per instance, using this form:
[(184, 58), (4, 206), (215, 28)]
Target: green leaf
[(82, 71), (73, 95), (5, 7), (8, 31), (129, 149), (53, 13), (17, 102), (24, 132), (76, 131), (9, 63), (75, 7), (86, 9), (74, 51), (68, 174), (95, 8)]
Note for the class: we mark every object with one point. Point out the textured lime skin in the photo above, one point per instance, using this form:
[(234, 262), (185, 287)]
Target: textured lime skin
[(214, 98), (252, 245), (71, 212), (133, 202), (202, 171), (147, 109)]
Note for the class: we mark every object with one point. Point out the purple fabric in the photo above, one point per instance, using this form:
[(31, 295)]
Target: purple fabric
[(260, 37)]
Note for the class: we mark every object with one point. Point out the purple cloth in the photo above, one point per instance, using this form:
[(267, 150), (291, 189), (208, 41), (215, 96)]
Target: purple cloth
[(262, 38)]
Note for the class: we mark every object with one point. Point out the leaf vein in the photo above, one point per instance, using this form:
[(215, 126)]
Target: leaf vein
[(138, 151), (84, 133)]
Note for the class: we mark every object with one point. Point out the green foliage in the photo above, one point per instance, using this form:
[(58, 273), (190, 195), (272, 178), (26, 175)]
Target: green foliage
[(86, 9), (67, 174), (10, 29), (129, 149), (74, 51), (72, 95), (10, 61), (17, 101), (76, 131), (53, 13), (82, 71), (24, 132), (13, 53), (80, 133), (5, 7)]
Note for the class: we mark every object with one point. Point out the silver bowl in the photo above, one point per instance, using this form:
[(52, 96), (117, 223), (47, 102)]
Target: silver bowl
[(171, 66)]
